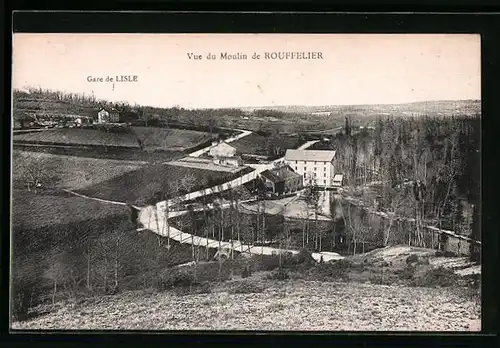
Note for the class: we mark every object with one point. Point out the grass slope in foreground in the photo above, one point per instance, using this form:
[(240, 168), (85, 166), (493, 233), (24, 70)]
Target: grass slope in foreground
[(288, 305)]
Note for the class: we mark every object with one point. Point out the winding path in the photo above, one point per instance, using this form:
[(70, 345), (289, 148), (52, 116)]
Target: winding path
[(153, 217)]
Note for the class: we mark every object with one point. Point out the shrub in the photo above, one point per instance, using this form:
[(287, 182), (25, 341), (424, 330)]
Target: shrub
[(172, 278), (329, 271), (194, 289), (280, 274), (406, 273), (246, 272), (412, 259), (342, 264), (264, 262), (436, 277), (304, 257), (381, 279), (246, 287), (209, 272), (20, 304), (423, 261)]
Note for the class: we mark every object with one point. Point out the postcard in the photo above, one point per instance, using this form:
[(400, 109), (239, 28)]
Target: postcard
[(282, 182)]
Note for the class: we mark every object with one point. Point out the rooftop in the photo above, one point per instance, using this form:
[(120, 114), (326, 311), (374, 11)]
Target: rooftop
[(310, 155), (224, 145), (280, 173)]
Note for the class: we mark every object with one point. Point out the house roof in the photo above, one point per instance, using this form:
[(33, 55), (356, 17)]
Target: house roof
[(224, 146), (310, 155), (280, 174), (108, 109), (338, 177)]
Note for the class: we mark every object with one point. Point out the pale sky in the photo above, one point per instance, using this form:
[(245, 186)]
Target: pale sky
[(355, 69)]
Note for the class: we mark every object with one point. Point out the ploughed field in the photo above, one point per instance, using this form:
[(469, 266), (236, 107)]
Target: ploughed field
[(146, 138), (153, 138), (67, 172), (75, 136), (256, 144), (146, 183)]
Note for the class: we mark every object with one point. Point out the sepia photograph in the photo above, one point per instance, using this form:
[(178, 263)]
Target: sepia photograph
[(257, 182)]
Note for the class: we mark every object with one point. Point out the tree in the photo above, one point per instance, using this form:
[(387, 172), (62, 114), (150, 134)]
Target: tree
[(475, 248), (32, 173), (89, 254), (312, 200), (192, 217)]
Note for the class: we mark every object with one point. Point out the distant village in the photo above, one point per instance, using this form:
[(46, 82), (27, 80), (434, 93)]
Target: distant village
[(103, 115)]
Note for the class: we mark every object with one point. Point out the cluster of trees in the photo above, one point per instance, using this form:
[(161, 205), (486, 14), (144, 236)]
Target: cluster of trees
[(442, 154), (425, 168), (222, 219)]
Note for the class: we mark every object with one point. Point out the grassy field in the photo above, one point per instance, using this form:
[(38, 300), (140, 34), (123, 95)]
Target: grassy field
[(153, 138), (144, 184), (75, 136), (30, 211), (257, 303), (68, 172), (258, 144), (101, 152), (59, 230)]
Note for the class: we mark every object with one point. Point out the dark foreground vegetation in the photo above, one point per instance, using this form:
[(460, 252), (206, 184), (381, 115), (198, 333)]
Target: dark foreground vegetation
[(64, 246)]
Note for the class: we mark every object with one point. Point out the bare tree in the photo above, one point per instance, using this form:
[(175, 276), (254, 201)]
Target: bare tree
[(32, 173)]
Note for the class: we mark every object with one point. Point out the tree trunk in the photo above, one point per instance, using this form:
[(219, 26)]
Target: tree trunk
[(116, 265), (167, 225), (88, 270), (105, 271), (303, 233), (388, 232), (54, 293), (263, 225), (220, 258), (222, 223), (316, 228)]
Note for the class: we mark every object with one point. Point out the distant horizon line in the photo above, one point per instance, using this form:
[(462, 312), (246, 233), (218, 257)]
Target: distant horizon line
[(25, 89)]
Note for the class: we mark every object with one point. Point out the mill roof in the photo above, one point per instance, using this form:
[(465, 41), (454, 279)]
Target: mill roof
[(310, 155)]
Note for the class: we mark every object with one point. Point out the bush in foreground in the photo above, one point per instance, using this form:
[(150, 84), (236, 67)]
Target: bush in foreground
[(434, 277), (330, 271), (246, 287), (280, 274)]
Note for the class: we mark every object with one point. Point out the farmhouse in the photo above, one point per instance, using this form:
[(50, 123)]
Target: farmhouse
[(281, 180), (315, 165), (224, 154), (110, 115)]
